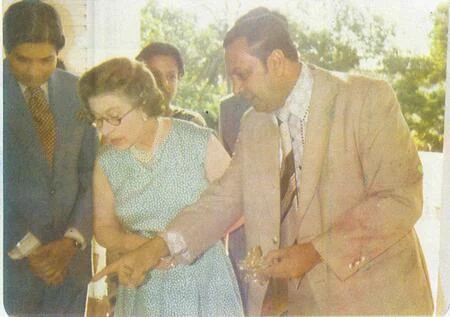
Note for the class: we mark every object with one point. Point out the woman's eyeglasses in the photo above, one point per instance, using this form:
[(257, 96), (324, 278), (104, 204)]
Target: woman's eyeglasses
[(114, 121)]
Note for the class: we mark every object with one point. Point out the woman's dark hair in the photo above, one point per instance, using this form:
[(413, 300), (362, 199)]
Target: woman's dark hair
[(32, 21), (127, 78)]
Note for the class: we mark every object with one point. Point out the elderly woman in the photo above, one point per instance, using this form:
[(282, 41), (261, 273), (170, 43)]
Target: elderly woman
[(150, 167)]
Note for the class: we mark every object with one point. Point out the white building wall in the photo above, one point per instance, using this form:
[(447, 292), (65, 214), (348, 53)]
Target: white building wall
[(114, 29), (428, 225)]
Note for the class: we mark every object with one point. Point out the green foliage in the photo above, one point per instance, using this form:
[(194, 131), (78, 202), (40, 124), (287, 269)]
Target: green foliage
[(419, 83), (359, 29), (354, 36), (321, 49), (439, 43)]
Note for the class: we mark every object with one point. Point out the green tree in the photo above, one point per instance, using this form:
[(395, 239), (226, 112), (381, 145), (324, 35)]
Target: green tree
[(419, 83), (353, 37), (321, 49)]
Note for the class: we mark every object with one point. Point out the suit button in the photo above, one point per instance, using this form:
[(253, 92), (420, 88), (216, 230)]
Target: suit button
[(52, 192), (275, 240)]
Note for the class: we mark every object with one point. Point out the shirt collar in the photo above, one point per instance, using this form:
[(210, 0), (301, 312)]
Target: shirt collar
[(44, 87), (298, 101)]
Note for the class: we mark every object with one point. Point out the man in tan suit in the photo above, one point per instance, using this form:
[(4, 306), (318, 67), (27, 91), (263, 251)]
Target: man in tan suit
[(345, 243)]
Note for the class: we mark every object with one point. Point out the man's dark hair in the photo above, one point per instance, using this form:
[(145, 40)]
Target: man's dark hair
[(265, 31), (32, 21), (160, 48)]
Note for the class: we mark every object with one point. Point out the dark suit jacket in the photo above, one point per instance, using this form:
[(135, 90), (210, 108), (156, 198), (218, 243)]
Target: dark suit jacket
[(231, 111), (38, 199)]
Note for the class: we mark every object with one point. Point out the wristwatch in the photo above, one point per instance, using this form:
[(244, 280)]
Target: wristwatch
[(77, 238), (77, 244)]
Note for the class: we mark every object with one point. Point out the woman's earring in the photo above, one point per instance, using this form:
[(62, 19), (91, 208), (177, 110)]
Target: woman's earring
[(144, 117)]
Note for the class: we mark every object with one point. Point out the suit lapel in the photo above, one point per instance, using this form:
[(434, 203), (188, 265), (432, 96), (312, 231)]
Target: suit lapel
[(317, 134), (20, 124), (55, 96)]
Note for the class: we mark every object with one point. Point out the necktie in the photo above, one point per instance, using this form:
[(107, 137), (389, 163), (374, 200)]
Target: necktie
[(288, 185), (43, 119)]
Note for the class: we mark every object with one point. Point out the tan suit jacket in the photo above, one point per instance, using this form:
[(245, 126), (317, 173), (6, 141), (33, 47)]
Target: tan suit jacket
[(360, 196)]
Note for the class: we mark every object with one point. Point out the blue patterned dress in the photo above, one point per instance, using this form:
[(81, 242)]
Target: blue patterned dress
[(147, 197)]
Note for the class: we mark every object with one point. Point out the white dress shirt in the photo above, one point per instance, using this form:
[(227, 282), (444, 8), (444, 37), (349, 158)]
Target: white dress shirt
[(294, 117)]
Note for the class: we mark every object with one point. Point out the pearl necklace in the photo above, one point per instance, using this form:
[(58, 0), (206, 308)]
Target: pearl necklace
[(146, 156)]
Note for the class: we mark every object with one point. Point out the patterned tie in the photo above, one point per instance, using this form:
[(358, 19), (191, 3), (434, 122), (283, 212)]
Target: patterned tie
[(288, 185), (43, 119)]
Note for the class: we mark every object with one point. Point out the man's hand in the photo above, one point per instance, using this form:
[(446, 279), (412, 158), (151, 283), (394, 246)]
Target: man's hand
[(292, 262), (132, 267), (50, 262)]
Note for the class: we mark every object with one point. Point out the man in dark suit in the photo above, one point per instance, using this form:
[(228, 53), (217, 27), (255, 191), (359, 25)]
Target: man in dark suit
[(231, 111), (48, 160)]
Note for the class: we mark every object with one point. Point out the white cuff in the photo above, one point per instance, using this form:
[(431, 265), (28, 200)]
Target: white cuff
[(177, 247), (74, 234), (24, 247)]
